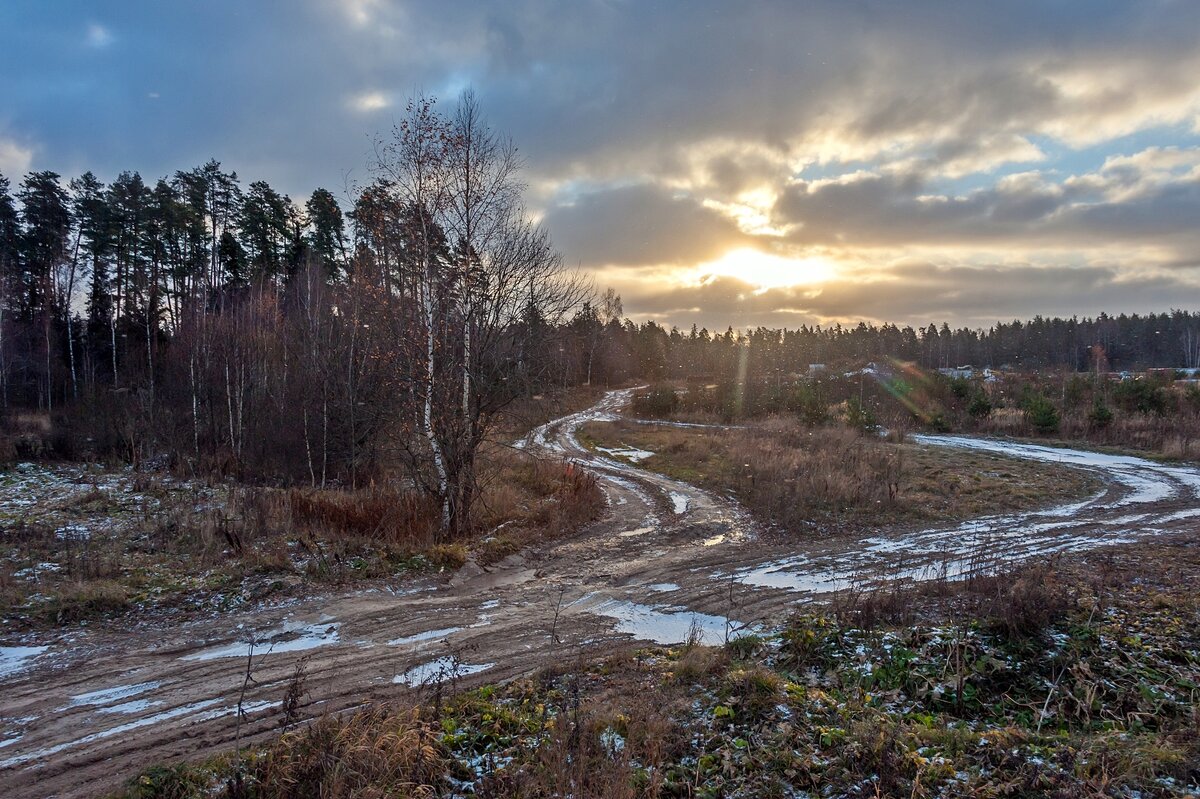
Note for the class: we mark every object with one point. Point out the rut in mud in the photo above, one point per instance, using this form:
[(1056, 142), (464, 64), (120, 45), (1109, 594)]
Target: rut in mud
[(82, 712)]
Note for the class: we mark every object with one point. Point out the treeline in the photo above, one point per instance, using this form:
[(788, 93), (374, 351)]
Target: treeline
[(236, 332), (1105, 343)]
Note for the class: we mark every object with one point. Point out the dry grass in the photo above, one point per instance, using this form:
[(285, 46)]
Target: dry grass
[(378, 513), (526, 500), (797, 478), (379, 752), (156, 543)]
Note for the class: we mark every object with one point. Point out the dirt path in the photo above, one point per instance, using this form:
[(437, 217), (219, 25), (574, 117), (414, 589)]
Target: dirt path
[(92, 708)]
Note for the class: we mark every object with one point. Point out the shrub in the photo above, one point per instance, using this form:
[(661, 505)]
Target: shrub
[(1100, 416), (1041, 414), (980, 406), (808, 403), (1140, 396), (659, 402), (858, 416)]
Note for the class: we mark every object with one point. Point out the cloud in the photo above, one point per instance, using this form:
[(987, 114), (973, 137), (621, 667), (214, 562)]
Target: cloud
[(98, 36), (657, 138), (15, 159), (915, 293), (368, 102), (640, 224), (1153, 194)]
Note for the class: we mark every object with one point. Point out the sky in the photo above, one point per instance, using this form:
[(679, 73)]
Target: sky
[(719, 163)]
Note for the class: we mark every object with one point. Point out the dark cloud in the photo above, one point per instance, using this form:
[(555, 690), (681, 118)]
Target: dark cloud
[(1024, 211), (640, 224)]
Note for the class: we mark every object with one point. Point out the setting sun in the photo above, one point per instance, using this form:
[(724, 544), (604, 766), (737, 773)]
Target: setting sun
[(765, 271)]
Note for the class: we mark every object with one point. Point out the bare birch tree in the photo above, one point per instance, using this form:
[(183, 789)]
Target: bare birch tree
[(480, 269)]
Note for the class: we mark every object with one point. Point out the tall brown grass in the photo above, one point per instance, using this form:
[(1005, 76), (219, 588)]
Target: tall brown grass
[(378, 752), (794, 475), (381, 513)]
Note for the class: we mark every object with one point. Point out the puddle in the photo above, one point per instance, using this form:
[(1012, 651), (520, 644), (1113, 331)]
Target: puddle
[(290, 637), (421, 638), (637, 532), (679, 502), (663, 588), (790, 574), (663, 627), (438, 670)]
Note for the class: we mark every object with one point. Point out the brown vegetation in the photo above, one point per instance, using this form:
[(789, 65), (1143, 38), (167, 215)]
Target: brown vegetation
[(798, 477), (99, 546)]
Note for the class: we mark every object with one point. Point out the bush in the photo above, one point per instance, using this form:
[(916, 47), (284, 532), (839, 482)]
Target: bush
[(1042, 415), (1100, 416), (858, 416), (659, 402), (1140, 396), (980, 406), (809, 404)]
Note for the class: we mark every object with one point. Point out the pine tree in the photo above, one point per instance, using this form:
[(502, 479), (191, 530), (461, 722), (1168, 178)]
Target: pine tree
[(327, 237)]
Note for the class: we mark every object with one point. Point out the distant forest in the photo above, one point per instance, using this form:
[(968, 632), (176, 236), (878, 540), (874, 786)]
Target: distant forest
[(235, 329)]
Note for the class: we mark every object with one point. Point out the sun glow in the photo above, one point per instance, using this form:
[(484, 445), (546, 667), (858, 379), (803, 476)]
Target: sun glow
[(766, 271)]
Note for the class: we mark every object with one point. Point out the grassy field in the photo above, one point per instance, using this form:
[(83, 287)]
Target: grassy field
[(832, 478), (1064, 679)]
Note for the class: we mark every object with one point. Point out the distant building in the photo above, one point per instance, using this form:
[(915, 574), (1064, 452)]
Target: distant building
[(816, 368), (957, 371)]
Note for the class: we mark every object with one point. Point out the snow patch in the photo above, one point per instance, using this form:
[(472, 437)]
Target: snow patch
[(15, 659), (107, 696)]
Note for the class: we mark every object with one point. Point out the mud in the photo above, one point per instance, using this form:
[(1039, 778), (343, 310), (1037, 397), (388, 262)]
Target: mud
[(667, 561)]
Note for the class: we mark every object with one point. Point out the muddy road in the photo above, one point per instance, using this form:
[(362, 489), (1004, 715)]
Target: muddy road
[(82, 712)]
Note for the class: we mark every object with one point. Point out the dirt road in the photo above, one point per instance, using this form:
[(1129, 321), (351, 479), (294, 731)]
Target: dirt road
[(82, 712)]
